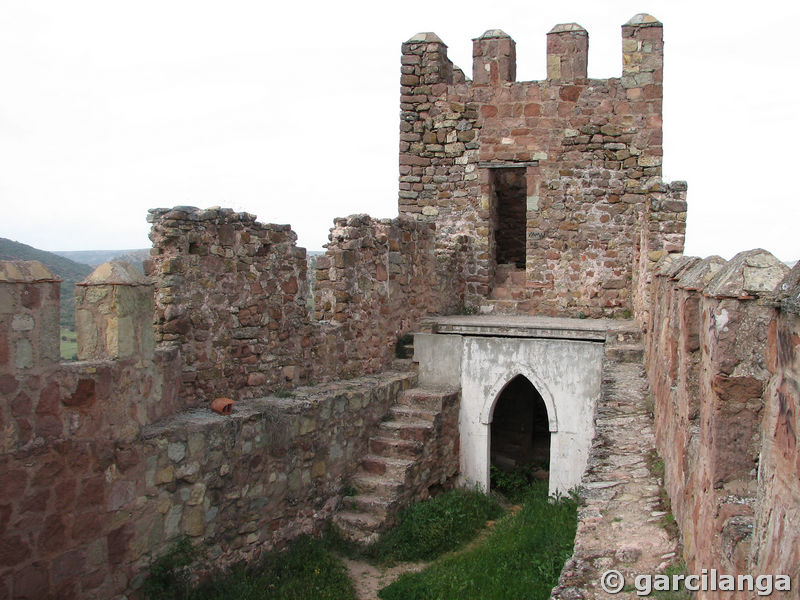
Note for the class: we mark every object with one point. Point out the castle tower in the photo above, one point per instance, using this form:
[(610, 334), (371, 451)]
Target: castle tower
[(543, 185)]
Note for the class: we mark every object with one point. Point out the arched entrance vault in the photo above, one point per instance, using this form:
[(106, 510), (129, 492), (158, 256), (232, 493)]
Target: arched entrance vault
[(497, 389), (565, 374), (520, 425)]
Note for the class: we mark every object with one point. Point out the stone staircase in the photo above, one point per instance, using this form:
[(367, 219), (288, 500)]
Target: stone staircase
[(397, 469), (624, 344), (509, 295)]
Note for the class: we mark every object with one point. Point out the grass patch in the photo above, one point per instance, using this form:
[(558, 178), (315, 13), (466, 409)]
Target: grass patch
[(427, 529), (678, 568), (522, 557), (305, 570), (515, 485), (658, 469), (69, 344)]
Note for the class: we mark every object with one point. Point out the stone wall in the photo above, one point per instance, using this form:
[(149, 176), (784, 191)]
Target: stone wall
[(776, 539), (590, 151), (376, 281), (232, 294), (102, 467), (723, 406), (106, 461), (67, 428)]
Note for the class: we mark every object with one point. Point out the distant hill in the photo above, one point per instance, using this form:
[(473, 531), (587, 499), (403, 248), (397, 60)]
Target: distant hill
[(98, 257), (68, 270)]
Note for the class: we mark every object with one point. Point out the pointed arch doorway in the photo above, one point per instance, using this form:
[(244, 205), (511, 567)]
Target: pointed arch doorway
[(519, 432)]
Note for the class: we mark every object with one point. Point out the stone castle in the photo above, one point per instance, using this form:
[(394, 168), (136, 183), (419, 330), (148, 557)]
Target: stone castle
[(536, 247)]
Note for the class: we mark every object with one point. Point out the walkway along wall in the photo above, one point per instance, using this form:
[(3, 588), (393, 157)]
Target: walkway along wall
[(722, 357)]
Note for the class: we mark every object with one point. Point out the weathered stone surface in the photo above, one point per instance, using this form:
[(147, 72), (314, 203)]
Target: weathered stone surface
[(753, 272), (788, 290), (719, 390)]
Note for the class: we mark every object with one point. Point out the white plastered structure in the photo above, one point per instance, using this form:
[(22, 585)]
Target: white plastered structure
[(567, 373)]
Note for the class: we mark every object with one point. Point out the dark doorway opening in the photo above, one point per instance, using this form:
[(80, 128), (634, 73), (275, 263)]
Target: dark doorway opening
[(510, 192), (520, 432)]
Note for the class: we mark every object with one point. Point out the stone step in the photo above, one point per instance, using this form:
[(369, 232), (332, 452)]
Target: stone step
[(373, 504), (628, 335), (504, 274), (358, 526), (400, 412), (424, 398), (367, 483), (499, 307), (386, 465), (395, 447), (382, 475), (625, 353), (505, 292), (408, 429)]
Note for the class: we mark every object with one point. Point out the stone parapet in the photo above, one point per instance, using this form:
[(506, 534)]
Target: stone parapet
[(114, 314), (567, 52), (29, 305), (711, 348), (494, 58)]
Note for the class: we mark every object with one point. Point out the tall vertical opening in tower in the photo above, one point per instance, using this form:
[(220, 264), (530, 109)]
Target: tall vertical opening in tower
[(510, 192), (520, 432)]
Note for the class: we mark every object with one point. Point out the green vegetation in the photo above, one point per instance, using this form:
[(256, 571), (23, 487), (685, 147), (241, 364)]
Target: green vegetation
[(657, 468), (515, 484), (677, 568), (427, 529), (466, 309), (69, 344), (168, 574), (306, 570), (521, 557)]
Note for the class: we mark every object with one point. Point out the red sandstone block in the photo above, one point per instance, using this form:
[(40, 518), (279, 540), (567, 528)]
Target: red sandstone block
[(32, 581), (21, 406), (53, 537), (3, 349)]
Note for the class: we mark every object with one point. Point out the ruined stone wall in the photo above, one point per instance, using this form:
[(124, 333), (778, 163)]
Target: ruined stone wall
[(590, 149), (376, 281), (231, 294), (711, 355)]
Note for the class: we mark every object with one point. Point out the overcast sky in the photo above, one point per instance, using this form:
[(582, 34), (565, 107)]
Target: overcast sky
[(109, 108)]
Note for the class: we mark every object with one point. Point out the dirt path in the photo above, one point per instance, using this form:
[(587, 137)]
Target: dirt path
[(368, 578)]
